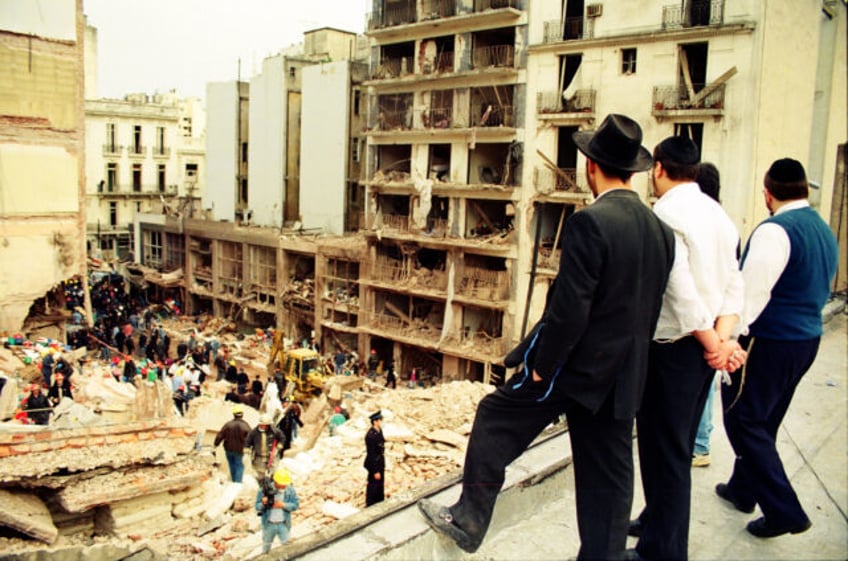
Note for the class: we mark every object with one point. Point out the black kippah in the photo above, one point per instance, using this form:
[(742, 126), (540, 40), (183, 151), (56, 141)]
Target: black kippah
[(787, 170), (680, 149)]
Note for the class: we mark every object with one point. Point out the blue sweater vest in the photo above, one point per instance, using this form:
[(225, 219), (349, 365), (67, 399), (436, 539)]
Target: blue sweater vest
[(793, 312)]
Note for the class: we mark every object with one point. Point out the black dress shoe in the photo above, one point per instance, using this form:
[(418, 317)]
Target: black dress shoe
[(635, 528), (441, 520), (762, 529), (723, 491)]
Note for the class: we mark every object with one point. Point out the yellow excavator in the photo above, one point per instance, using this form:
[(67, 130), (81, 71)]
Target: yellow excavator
[(305, 373)]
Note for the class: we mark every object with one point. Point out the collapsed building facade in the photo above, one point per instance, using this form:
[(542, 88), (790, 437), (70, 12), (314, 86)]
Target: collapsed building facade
[(458, 169)]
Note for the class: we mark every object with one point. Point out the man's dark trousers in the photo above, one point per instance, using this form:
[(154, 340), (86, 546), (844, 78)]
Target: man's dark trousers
[(506, 423), (675, 392), (773, 372)]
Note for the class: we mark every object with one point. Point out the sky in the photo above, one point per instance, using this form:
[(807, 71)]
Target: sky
[(158, 45)]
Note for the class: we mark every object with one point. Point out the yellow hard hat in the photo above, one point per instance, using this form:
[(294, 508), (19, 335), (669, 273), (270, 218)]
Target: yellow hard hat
[(282, 476), (238, 410)]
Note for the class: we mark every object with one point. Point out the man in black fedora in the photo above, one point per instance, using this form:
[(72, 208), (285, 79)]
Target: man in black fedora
[(587, 357)]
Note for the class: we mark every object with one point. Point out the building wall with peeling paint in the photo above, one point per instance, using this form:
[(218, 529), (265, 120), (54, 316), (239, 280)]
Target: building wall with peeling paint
[(41, 143)]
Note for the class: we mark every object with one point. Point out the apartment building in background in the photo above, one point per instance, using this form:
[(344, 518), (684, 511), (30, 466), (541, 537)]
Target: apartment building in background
[(144, 154), (42, 215), (459, 138)]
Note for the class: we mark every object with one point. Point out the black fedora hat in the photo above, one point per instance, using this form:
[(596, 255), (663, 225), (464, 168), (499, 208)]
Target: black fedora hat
[(617, 143)]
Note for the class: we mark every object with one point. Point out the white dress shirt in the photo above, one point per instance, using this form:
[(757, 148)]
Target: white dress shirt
[(705, 281), (768, 254)]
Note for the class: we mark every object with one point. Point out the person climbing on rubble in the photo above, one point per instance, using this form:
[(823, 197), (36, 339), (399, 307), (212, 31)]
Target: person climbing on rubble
[(373, 363), (337, 419), (266, 443), (275, 509), (181, 400), (47, 366), (242, 380), (290, 421), (37, 406), (60, 388), (391, 377), (256, 386), (234, 434)]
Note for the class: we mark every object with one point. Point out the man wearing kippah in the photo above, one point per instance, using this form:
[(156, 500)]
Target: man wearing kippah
[(788, 265), (701, 305)]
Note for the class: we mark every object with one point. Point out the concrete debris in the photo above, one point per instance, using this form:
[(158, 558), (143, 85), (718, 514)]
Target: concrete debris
[(27, 514), (338, 511), (119, 465)]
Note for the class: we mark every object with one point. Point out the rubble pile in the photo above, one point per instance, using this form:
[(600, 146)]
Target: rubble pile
[(118, 467)]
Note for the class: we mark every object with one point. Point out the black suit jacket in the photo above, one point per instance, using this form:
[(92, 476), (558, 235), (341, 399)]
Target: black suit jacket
[(600, 318)]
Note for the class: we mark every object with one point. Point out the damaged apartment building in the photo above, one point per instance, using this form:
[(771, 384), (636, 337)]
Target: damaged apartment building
[(425, 216)]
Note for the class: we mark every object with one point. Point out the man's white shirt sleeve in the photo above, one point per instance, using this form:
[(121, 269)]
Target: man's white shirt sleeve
[(768, 254)]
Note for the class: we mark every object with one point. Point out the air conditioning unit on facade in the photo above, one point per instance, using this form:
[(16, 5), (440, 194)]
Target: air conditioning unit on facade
[(594, 10)]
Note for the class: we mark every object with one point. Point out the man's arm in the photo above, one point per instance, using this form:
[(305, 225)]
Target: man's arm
[(567, 316), (765, 259)]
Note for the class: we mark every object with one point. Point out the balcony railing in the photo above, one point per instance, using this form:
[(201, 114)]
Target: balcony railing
[(564, 179), (394, 119), (571, 29), (399, 222), (495, 55), (393, 68), (437, 117), (112, 149), (484, 284), (435, 9), (137, 150), (491, 115), (392, 14), (442, 63), (583, 101), (478, 341), (481, 5), (671, 98), (700, 12), (161, 151), (418, 329)]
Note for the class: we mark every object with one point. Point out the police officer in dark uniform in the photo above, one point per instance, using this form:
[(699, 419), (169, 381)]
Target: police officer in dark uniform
[(375, 461)]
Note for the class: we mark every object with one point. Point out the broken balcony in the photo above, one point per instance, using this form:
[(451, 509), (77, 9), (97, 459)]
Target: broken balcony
[(393, 165), (672, 101), (393, 13), (695, 13), (583, 101), (408, 318), (394, 112), (394, 67), (497, 163), (423, 268), (493, 56), (436, 9), (549, 179), (480, 333), (483, 283)]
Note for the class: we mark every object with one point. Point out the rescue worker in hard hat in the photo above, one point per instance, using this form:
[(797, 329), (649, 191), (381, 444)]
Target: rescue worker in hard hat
[(234, 434), (266, 443), (275, 507)]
